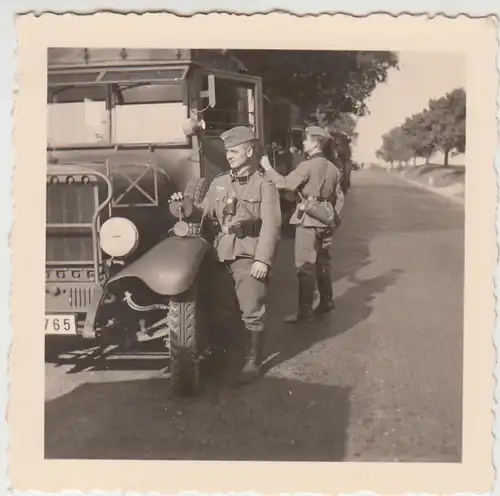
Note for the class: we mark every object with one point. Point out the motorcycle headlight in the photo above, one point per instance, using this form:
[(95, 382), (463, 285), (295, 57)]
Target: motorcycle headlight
[(118, 237)]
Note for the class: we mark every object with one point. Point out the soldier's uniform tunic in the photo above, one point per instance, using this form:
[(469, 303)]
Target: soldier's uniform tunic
[(258, 200), (314, 177)]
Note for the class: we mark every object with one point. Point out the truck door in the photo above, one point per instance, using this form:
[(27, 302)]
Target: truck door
[(238, 103)]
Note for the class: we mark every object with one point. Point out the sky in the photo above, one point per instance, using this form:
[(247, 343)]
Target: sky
[(421, 76)]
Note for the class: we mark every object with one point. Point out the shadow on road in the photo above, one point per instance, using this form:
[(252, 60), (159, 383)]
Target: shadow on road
[(67, 351), (272, 420), (353, 307)]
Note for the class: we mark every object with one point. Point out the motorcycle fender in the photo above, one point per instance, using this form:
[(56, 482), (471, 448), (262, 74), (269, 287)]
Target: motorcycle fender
[(170, 267)]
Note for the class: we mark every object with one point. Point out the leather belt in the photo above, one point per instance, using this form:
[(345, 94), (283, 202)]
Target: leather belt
[(318, 198), (248, 229)]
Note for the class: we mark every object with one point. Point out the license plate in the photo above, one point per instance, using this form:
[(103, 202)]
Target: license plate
[(60, 324)]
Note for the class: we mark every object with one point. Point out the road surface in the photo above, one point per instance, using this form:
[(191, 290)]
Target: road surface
[(378, 380)]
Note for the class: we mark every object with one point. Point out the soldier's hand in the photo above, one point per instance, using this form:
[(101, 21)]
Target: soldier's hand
[(259, 270), (264, 162), (178, 196)]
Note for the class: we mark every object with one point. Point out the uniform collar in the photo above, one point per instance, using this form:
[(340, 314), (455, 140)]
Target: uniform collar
[(317, 154), (241, 179)]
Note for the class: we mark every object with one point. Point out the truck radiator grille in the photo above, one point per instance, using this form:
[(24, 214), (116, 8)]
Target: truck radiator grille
[(70, 204)]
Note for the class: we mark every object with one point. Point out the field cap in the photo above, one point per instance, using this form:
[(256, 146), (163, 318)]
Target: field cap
[(318, 132), (237, 136)]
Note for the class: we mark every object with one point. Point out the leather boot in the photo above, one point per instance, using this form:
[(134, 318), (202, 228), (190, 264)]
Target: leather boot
[(253, 356), (306, 297), (326, 302)]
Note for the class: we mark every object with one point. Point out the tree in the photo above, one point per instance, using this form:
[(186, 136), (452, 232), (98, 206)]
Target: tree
[(344, 123), (448, 116), (419, 134), (395, 147), (324, 84), (441, 126)]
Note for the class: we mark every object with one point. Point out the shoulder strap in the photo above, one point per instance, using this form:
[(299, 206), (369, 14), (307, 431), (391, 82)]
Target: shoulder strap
[(333, 196), (325, 176)]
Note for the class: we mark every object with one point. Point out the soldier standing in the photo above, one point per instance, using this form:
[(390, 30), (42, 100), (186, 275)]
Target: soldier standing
[(244, 204), (317, 179)]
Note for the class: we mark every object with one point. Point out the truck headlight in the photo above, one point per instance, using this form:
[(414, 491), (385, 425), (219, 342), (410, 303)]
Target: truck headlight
[(118, 237)]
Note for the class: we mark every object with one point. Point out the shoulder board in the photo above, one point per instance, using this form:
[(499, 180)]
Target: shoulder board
[(221, 174), (263, 174)]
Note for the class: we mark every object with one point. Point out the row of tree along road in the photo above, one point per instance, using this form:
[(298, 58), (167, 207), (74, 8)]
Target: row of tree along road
[(439, 128)]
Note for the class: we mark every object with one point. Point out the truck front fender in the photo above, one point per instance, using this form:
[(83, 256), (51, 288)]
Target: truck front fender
[(170, 267)]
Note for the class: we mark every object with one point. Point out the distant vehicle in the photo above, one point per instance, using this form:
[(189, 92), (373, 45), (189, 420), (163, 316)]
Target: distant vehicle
[(340, 153)]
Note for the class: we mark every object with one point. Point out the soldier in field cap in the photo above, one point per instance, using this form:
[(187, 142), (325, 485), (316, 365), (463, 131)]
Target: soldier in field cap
[(237, 136), (317, 179), (244, 203)]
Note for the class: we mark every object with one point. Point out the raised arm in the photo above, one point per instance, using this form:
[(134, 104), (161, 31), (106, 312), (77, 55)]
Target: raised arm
[(289, 182)]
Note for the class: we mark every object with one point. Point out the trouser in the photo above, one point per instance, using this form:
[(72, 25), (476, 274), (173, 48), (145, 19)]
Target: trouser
[(250, 292), (232, 288), (312, 262)]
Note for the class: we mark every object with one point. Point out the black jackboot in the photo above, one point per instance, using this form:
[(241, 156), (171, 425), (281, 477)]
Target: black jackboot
[(326, 302), (254, 341), (306, 297)]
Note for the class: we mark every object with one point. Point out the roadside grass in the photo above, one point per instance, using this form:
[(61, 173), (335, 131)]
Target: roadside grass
[(450, 179)]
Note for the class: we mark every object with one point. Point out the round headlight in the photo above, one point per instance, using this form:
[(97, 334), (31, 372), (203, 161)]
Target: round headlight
[(118, 237)]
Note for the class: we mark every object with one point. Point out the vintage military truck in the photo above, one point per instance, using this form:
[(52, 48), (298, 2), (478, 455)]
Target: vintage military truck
[(127, 128)]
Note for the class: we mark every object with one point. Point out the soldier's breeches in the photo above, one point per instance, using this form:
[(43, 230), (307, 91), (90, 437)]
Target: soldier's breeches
[(251, 294), (312, 257), (312, 246)]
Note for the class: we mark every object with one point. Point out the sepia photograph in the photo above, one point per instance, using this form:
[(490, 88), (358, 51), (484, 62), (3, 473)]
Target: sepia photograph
[(272, 261), (180, 260)]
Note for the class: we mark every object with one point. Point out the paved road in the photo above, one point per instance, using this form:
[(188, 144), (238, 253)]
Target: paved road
[(378, 380)]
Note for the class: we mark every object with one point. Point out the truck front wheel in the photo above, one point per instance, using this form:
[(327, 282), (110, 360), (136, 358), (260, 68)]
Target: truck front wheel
[(183, 324)]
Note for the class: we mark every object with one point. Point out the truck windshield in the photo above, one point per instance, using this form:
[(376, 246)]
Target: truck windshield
[(77, 115), (112, 114)]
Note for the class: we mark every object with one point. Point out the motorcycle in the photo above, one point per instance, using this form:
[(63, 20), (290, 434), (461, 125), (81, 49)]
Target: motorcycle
[(165, 295)]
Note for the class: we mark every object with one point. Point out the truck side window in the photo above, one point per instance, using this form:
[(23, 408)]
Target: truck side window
[(235, 106)]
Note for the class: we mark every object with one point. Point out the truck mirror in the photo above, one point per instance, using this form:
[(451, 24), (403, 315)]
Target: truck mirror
[(211, 90)]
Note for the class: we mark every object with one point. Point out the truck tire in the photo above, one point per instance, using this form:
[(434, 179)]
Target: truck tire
[(197, 189), (182, 322)]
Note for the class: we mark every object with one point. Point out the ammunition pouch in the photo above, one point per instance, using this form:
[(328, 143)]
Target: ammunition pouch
[(244, 229)]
